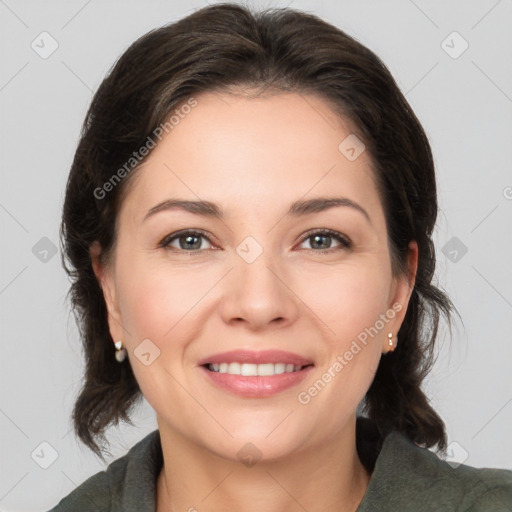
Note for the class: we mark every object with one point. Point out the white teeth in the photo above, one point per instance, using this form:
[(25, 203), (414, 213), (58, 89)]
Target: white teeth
[(234, 368), (249, 370), (266, 369), (253, 370), (279, 368)]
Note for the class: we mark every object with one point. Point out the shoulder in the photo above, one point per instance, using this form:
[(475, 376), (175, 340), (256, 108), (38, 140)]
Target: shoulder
[(112, 487), (494, 490), (478, 489), (407, 475), (93, 494)]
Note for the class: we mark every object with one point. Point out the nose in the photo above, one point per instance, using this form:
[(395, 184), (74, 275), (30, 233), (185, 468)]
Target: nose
[(259, 295)]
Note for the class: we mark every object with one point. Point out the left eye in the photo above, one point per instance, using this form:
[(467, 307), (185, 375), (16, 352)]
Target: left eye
[(318, 238), (191, 241)]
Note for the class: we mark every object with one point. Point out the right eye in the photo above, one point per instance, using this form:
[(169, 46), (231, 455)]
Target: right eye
[(188, 241)]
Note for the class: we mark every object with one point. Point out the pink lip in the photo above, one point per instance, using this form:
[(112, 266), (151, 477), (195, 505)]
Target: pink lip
[(260, 357), (256, 386)]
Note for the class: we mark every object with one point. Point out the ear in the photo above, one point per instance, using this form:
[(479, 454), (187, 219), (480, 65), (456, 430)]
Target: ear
[(400, 296), (104, 274)]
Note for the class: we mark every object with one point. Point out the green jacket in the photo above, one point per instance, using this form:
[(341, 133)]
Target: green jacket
[(404, 477)]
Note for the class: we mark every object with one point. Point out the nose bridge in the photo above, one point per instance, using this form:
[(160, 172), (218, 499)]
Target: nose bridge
[(257, 292)]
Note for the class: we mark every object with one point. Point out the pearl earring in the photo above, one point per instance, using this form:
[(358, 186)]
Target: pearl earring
[(120, 351), (390, 342)]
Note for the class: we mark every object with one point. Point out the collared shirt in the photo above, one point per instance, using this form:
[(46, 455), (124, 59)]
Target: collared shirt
[(404, 477)]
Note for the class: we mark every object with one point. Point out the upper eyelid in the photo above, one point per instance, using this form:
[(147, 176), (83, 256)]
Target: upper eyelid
[(331, 232), (183, 232)]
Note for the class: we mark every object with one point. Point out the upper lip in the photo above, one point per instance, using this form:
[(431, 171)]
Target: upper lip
[(256, 357)]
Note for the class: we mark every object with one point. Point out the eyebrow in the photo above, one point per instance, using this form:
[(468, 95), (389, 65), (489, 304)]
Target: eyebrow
[(298, 208)]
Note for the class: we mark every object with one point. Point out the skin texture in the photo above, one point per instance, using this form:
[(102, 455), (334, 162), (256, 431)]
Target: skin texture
[(254, 157)]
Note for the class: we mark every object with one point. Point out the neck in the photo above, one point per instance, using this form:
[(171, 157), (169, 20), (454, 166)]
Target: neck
[(327, 477)]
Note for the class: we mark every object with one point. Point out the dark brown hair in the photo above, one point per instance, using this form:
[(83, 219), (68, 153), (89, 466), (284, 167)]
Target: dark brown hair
[(228, 47)]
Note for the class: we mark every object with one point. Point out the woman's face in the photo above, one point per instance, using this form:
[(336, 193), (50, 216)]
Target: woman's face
[(270, 279)]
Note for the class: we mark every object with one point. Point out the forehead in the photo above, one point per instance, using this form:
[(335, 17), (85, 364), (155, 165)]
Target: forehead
[(257, 153)]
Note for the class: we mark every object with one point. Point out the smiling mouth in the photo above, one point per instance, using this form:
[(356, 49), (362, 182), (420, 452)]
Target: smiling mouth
[(254, 370)]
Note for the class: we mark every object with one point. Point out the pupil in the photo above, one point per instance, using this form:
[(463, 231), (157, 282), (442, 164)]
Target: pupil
[(188, 241), (323, 246)]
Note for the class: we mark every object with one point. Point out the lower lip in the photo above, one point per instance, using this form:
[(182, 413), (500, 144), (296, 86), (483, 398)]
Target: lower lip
[(257, 387)]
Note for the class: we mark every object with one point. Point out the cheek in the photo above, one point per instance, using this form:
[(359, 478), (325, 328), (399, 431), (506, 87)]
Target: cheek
[(156, 302), (347, 299), (159, 305), (350, 302)]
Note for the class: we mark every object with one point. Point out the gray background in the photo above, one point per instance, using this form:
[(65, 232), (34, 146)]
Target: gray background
[(464, 104)]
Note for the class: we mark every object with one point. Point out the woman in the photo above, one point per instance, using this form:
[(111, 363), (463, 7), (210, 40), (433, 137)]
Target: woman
[(248, 223)]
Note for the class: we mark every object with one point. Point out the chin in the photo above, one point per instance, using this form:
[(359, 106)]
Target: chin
[(256, 451), (263, 444)]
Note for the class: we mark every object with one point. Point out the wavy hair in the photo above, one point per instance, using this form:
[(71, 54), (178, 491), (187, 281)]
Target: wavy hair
[(228, 47)]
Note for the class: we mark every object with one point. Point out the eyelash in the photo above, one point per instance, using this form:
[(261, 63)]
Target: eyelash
[(346, 243)]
